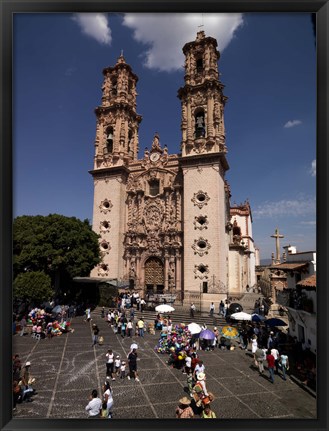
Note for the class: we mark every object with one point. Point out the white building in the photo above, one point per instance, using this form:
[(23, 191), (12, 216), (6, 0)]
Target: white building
[(299, 297)]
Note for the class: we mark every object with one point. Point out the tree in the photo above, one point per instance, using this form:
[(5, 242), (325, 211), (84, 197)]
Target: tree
[(62, 247), (34, 286)]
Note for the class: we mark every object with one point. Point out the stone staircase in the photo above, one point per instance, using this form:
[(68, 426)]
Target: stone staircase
[(182, 316), (248, 301)]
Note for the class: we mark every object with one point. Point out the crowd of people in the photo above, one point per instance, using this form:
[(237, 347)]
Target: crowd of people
[(176, 341)]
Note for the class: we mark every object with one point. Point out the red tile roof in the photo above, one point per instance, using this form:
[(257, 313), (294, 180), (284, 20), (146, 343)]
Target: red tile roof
[(308, 282)]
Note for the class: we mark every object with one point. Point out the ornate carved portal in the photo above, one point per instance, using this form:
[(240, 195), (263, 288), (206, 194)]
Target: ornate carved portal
[(154, 275), (154, 235)]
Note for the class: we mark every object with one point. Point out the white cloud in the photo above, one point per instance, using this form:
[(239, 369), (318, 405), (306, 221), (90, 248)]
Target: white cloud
[(313, 168), (295, 207), (160, 31), (292, 123), (94, 25)]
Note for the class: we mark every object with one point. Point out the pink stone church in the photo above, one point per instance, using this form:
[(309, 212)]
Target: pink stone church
[(165, 221)]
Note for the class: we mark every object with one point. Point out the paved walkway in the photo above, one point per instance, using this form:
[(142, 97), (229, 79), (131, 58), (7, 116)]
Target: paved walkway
[(67, 368)]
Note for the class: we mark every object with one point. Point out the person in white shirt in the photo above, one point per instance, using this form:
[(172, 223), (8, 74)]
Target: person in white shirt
[(108, 398), (201, 382), (117, 365), (129, 328), (94, 406), (199, 368), (276, 356), (110, 364), (123, 370), (188, 364)]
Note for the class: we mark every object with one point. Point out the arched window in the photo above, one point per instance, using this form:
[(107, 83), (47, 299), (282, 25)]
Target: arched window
[(199, 65), (109, 140), (154, 187), (130, 141), (114, 87), (200, 130)]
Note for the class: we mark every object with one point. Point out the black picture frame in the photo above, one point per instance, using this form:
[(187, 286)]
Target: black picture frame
[(8, 8)]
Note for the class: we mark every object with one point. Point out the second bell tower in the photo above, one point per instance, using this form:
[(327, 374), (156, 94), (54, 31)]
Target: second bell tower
[(202, 99)]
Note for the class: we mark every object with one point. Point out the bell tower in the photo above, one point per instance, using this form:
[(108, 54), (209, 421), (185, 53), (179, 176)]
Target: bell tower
[(202, 99), (204, 165), (117, 127)]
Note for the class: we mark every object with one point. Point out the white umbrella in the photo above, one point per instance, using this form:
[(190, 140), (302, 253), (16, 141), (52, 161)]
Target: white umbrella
[(241, 315), (164, 308), (194, 328), (134, 346)]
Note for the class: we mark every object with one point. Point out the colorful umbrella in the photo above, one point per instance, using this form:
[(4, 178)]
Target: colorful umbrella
[(229, 332), (257, 317), (207, 334), (275, 322), (194, 328), (241, 316), (164, 308)]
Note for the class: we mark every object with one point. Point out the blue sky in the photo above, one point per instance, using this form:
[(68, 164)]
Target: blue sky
[(268, 67)]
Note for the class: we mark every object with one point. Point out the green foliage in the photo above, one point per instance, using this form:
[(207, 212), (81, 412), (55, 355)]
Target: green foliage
[(35, 286), (62, 247)]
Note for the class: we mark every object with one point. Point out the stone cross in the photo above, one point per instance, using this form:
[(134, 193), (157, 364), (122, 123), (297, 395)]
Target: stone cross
[(277, 237)]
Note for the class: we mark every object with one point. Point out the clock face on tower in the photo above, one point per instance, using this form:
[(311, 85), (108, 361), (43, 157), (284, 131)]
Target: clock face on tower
[(154, 157)]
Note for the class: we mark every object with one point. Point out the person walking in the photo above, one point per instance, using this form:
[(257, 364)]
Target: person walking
[(260, 357), (108, 399), (95, 330), (94, 407), (129, 328), (221, 308), (270, 365), (142, 304), (23, 325), (192, 310), (254, 346), (212, 309), (132, 361), (284, 362), (140, 326), (110, 364), (117, 365), (123, 370), (276, 355)]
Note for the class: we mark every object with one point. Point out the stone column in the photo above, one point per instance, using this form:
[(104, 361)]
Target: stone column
[(178, 272), (166, 272), (189, 121)]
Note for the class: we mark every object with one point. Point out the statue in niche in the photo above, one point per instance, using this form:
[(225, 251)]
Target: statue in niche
[(156, 142), (132, 270)]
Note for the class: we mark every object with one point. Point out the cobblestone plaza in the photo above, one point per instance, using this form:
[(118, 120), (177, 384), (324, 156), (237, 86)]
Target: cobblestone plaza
[(67, 368)]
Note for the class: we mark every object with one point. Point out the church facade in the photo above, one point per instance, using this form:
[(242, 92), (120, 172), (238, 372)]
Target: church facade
[(165, 221)]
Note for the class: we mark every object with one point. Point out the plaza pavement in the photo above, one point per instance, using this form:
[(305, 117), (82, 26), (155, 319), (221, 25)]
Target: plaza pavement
[(67, 368)]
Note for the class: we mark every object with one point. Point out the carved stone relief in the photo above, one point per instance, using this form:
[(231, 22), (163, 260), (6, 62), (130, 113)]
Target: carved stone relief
[(201, 271), (106, 206), (200, 199), (201, 246)]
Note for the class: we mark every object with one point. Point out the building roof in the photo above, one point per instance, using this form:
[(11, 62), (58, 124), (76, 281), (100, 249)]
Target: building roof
[(290, 266), (308, 282)]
